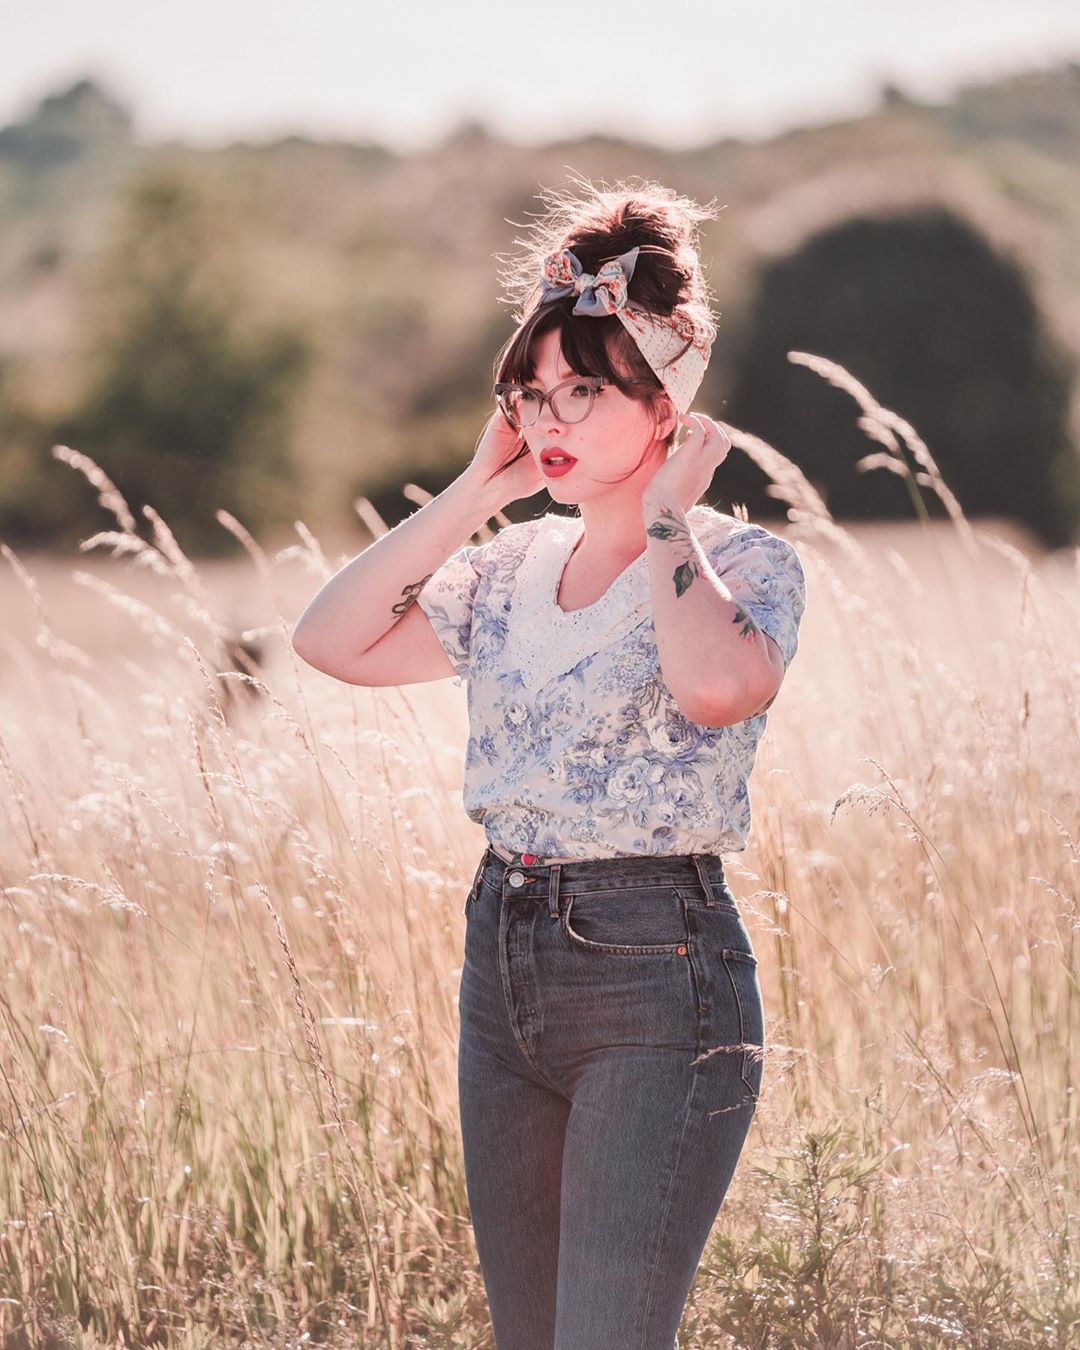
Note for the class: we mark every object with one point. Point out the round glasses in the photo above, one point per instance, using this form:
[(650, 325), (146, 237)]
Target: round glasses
[(571, 401)]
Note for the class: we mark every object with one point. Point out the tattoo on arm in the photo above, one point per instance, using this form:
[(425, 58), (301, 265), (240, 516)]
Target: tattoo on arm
[(749, 627), (410, 593), (670, 526)]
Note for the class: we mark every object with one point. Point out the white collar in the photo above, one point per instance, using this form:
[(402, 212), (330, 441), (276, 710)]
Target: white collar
[(543, 640)]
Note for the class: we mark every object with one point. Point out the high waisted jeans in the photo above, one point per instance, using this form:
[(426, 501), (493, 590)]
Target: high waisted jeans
[(609, 1064)]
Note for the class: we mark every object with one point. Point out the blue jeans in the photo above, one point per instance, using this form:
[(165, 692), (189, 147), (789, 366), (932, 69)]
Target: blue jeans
[(609, 1063)]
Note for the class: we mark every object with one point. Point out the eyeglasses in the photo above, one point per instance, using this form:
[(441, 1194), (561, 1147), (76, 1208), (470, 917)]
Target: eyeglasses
[(571, 401)]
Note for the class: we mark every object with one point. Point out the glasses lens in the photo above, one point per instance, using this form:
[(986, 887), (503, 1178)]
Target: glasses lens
[(520, 405), (572, 402)]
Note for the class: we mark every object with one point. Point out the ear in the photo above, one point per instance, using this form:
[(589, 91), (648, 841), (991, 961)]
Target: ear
[(666, 414)]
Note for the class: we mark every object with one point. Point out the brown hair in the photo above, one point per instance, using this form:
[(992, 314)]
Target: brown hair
[(599, 226)]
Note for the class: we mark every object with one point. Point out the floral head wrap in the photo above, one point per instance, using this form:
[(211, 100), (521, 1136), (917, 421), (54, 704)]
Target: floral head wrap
[(659, 337)]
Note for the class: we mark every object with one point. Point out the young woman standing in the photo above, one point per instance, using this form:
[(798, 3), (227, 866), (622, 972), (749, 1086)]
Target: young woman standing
[(619, 664)]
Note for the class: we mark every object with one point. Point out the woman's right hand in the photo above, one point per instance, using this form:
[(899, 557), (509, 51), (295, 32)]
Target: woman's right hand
[(498, 444)]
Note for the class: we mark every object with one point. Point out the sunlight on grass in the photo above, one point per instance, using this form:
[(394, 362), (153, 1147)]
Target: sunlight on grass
[(232, 898)]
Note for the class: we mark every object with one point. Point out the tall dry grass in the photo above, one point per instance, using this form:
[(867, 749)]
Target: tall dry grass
[(233, 938)]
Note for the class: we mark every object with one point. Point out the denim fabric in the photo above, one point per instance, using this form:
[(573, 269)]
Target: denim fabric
[(609, 1063)]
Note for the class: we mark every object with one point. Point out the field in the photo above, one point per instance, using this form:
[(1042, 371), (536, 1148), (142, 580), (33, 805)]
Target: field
[(232, 927)]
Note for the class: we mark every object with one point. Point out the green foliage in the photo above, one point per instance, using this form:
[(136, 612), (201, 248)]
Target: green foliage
[(956, 317), (795, 1270), (1040, 107), (922, 309), (79, 121), (822, 1267), (186, 409)]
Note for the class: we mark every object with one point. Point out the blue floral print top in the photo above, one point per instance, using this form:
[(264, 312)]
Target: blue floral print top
[(576, 747)]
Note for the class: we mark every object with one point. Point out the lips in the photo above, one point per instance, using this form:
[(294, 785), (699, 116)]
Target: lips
[(550, 470), (548, 455)]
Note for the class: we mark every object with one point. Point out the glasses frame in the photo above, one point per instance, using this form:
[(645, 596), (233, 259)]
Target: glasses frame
[(594, 382)]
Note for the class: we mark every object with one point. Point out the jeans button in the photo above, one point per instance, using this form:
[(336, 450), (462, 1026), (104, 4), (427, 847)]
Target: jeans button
[(516, 879)]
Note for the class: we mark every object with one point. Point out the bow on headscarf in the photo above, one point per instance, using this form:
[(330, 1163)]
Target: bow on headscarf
[(599, 294), (675, 346)]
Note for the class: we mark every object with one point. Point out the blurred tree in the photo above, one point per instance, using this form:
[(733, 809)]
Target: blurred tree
[(186, 408), (892, 95), (943, 331), (82, 120)]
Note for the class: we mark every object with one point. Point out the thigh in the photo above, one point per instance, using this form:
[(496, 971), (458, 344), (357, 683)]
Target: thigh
[(513, 1129), (651, 1146)]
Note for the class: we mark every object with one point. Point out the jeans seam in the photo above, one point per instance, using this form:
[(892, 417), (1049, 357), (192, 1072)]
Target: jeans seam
[(520, 1041), (745, 1060), (697, 982), (694, 1080)]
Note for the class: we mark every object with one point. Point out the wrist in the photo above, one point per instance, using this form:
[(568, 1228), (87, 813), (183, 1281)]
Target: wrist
[(485, 498), (654, 504)]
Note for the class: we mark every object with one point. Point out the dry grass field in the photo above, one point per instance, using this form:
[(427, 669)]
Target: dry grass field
[(231, 921)]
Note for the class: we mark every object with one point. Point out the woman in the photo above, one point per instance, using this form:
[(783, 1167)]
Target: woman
[(619, 663)]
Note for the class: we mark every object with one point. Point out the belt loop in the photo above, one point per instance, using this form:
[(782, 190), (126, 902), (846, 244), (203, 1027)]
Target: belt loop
[(710, 899), (475, 881), (553, 891)]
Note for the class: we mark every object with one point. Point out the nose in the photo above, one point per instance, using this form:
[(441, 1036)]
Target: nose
[(546, 415)]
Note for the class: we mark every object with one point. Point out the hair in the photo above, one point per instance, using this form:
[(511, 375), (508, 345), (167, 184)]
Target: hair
[(597, 226)]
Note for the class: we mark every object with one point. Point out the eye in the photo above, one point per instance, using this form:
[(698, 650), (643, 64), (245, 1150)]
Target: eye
[(528, 395), (583, 389)]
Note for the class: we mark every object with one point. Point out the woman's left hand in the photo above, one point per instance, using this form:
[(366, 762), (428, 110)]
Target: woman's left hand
[(688, 471)]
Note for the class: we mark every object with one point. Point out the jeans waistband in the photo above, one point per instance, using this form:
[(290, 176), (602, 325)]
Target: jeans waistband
[(581, 875), (535, 860)]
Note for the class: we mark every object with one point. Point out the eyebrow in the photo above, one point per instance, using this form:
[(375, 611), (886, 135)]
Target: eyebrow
[(572, 376)]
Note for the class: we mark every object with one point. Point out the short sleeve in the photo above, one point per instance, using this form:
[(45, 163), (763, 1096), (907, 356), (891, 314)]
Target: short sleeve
[(763, 572), (447, 600)]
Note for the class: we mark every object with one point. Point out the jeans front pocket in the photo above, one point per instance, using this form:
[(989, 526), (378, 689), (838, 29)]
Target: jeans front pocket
[(630, 921)]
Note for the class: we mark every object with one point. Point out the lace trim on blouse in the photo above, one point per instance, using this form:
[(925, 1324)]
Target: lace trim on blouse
[(545, 641)]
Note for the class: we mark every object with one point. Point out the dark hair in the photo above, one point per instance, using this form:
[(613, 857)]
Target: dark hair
[(597, 227)]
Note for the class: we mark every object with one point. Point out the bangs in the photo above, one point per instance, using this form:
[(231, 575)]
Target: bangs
[(587, 345)]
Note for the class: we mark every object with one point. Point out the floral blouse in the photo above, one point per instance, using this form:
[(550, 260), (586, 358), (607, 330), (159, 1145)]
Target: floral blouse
[(576, 747)]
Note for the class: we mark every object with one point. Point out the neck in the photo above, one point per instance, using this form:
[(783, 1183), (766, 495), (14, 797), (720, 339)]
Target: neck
[(613, 525)]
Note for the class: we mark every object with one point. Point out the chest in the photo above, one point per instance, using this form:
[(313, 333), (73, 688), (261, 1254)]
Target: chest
[(583, 583), (578, 591), (553, 609)]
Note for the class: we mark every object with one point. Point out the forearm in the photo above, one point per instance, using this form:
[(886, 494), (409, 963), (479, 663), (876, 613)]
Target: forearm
[(367, 596), (715, 659)]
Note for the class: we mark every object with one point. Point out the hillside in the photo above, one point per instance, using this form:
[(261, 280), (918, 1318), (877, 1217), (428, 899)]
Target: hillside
[(335, 306)]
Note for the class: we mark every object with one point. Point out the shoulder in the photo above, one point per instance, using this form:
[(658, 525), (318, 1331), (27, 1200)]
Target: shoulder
[(515, 538), (729, 534), (740, 549), (711, 526), (507, 547)]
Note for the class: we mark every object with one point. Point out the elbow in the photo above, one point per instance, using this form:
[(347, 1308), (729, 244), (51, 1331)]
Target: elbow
[(725, 707), (327, 656), (296, 640), (303, 646)]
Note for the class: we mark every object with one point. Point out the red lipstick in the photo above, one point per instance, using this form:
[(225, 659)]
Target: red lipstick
[(554, 463)]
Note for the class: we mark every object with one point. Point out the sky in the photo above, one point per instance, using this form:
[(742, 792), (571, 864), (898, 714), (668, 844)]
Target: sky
[(680, 73)]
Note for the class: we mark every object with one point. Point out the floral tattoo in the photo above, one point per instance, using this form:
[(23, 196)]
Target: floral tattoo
[(671, 526), (410, 593)]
